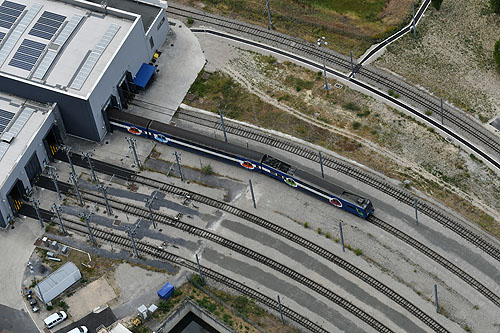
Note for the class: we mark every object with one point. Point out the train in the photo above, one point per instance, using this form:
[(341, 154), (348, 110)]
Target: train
[(248, 159)]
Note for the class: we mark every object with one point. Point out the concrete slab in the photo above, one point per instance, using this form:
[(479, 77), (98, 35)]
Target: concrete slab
[(179, 64), (86, 299)]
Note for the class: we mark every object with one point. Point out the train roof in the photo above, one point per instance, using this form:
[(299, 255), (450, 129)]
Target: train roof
[(330, 188), (206, 141)]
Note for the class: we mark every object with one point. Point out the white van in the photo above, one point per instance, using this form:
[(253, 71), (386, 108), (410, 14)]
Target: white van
[(55, 319), (79, 329)]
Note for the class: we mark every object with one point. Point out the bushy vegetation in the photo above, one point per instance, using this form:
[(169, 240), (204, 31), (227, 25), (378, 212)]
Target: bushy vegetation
[(437, 4), (496, 53), (495, 5)]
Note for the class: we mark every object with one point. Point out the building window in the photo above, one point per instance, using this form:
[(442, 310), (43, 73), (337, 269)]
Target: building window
[(151, 41), (161, 23)]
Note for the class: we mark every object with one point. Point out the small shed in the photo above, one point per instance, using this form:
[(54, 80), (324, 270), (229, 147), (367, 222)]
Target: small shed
[(57, 282), (166, 291)]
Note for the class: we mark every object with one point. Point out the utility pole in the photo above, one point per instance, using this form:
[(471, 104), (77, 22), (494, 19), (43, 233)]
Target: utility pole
[(35, 204), (74, 179), (86, 216), (436, 296), (88, 155), (104, 190), (57, 210), (149, 205), (269, 15), (322, 43), (131, 145), (53, 175), (179, 165), (67, 150), (413, 11), (131, 233), (222, 122)]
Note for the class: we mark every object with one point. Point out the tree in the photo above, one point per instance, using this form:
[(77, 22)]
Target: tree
[(437, 3), (495, 5), (496, 53)]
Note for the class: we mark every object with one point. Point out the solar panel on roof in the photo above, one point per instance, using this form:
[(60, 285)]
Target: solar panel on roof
[(9, 12), (2, 35), (47, 25), (60, 40), (94, 56), (5, 118), (24, 58), (13, 5), (14, 36)]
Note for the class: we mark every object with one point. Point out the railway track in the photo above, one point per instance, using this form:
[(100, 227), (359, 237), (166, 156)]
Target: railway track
[(391, 294), (138, 211), (155, 252), (461, 121), (352, 172), (360, 274)]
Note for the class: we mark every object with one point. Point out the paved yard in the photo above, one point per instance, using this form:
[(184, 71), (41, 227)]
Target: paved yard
[(86, 299)]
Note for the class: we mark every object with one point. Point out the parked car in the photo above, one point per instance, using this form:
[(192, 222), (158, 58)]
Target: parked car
[(79, 329), (35, 308), (55, 318)]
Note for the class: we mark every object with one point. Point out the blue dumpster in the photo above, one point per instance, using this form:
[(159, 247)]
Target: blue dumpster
[(166, 291)]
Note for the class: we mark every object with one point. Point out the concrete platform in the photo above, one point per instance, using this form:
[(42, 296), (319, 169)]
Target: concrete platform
[(179, 64)]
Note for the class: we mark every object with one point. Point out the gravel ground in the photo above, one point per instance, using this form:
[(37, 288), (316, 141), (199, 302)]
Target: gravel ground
[(453, 56)]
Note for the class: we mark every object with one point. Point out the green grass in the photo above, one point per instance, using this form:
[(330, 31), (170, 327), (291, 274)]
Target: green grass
[(367, 9)]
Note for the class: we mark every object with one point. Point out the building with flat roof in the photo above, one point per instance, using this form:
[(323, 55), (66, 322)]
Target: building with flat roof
[(81, 54), (29, 135)]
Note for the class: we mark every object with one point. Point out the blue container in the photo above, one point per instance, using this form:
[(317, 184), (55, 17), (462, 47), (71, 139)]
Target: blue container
[(166, 291)]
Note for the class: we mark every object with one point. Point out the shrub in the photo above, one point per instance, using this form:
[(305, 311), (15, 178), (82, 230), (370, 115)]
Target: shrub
[(306, 225), (190, 21), (391, 92), (428, 113), (327, 235), (356, 125), (496, 52), (319, 231), (437, 4), (396, 95), (207, 169), (358, 251), (495, 5), (352, 106)]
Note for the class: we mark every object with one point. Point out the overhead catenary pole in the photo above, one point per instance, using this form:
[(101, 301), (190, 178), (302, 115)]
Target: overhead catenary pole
[(35, 204), (131, 143), (131, 233), (352, 66), (269, 15), (436, 296), (104, 191), (53, 175), (442, 112), (149, 205), (321, 164), (341, 236), (222, 123), (251, 191), (416, 210), (86, 217), (322, 43), (199, 268), (179, 165), (67, 150), (281, 310), (57, 210), (413, 11), (88, 156), (74, 179)]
